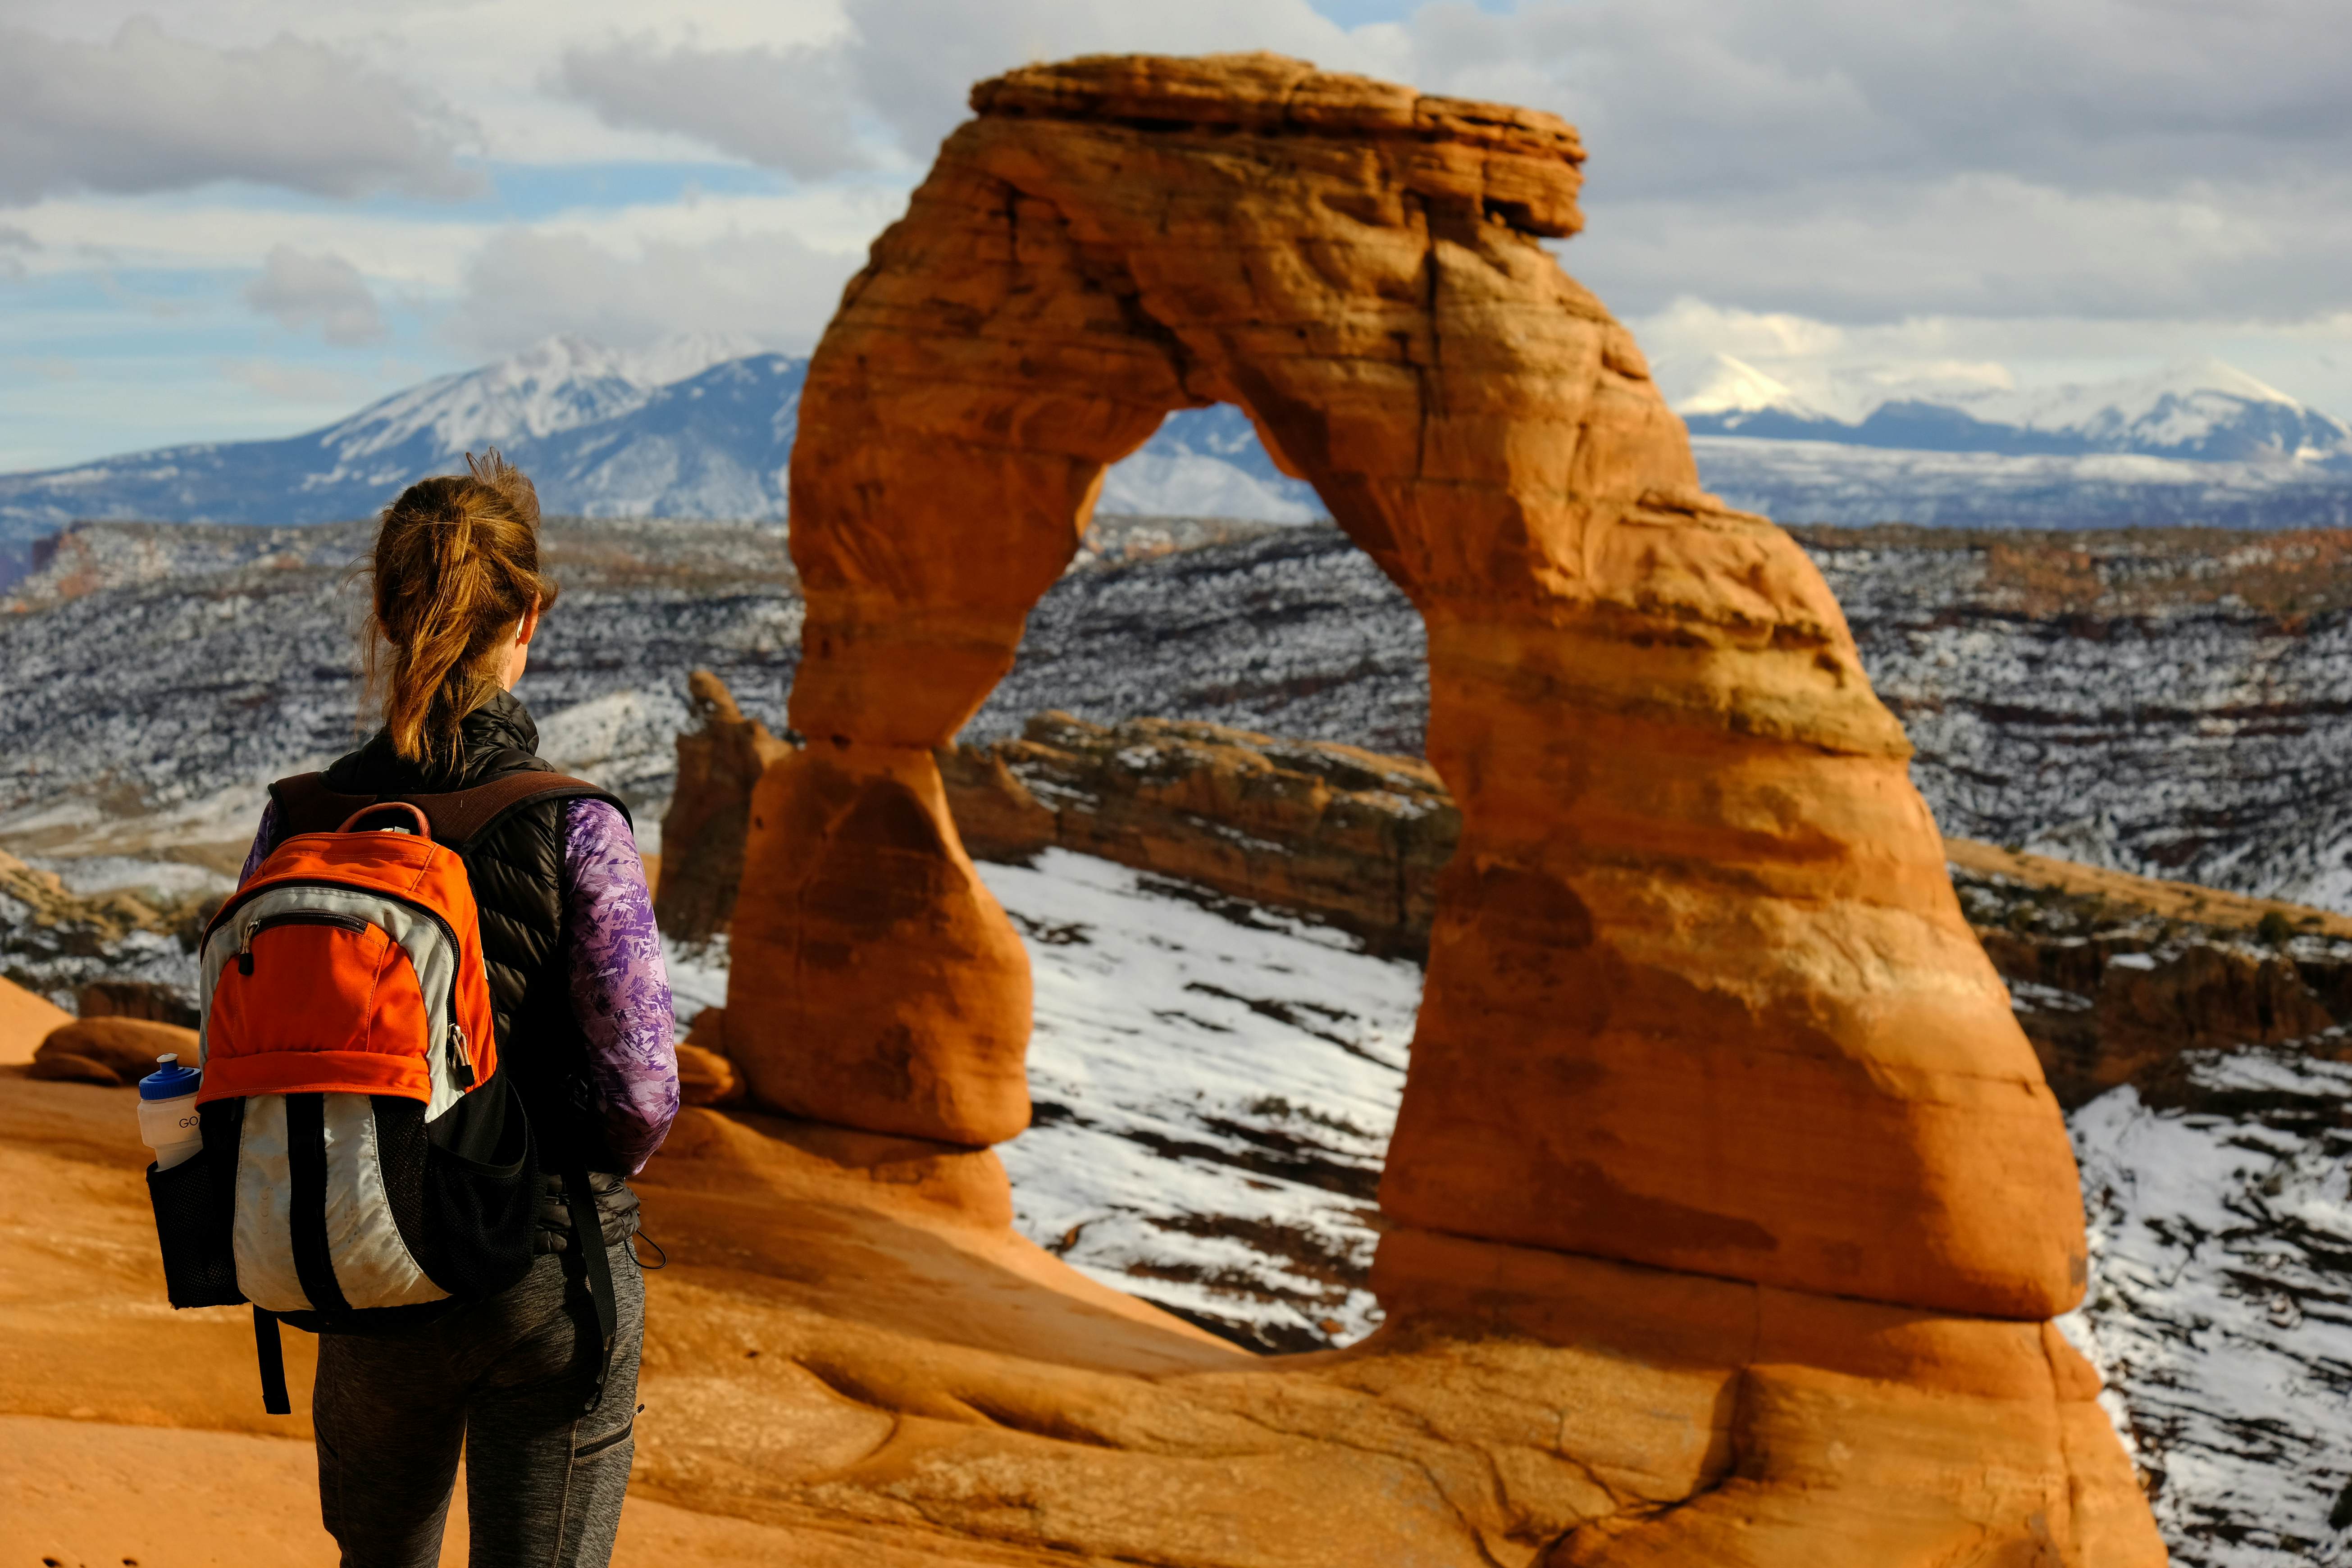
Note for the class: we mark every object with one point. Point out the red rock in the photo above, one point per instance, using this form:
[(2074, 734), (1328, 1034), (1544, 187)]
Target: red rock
[(133, 999), (124, 1048), (1701, 999), (875, 982), (1697, 896), (72, 1067), (709, 811), (1350, 836), (706, 1078)]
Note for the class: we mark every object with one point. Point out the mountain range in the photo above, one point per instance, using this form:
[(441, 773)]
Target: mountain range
[(696, 427), (703, 426), (2200, 411)]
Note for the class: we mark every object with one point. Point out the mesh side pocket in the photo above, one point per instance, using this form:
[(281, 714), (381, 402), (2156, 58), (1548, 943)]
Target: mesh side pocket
[(481, 1214), (193, 1220), (400, 1153)]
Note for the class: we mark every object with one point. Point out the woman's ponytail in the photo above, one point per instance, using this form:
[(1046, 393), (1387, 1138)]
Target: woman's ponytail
[(455, 569)]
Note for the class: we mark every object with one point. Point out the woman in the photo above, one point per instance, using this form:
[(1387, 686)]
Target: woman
[(582, 1008)]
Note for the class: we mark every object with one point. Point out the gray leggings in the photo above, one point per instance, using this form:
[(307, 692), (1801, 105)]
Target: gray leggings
[(505, 1378)]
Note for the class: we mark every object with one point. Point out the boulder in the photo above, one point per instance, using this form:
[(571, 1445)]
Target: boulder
[(72, 1067), (706, 1078), (111, 1050)]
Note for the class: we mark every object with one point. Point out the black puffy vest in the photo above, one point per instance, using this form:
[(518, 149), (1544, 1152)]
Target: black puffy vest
[(516, 871)]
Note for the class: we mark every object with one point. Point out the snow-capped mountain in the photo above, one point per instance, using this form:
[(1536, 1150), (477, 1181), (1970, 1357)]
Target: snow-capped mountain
[(701, 427), (1729, 395), (556, 384), (698, 426), (349, 468), (2200, 411), (1207, 462)]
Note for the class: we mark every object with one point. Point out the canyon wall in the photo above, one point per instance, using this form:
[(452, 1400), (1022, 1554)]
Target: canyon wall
[(1347, 836), (2165, 701), (1711, 1078)]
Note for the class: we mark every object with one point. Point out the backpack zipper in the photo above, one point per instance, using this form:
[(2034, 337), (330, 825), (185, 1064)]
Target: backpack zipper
[(297, 918), (254, 893), (461, 1063)]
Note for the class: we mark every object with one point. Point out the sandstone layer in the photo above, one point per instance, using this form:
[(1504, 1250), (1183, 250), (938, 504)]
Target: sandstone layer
[(1716, 1111), (1345, 836)]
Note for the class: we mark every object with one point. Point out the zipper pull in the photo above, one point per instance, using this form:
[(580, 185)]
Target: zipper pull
[(244, 954), (461, 1065)]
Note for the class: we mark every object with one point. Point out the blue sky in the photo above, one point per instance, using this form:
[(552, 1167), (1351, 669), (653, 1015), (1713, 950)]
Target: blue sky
[(1863, 200)]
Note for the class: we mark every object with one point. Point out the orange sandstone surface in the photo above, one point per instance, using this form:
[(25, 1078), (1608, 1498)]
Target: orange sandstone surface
[(1727, 1207)]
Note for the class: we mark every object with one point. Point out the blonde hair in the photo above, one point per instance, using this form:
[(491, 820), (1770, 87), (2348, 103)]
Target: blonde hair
[(454, 568)]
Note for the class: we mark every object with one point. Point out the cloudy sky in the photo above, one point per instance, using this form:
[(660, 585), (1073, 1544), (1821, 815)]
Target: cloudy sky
[(244, 217)]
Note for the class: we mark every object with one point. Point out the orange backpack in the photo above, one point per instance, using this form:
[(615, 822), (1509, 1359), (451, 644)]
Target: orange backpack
[(365, 1164)]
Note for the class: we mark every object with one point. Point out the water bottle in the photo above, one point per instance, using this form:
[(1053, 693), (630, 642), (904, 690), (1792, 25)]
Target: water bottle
[(167, 1112)]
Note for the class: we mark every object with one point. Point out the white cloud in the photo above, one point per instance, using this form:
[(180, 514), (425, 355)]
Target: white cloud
[(1988, 245), (527, 284), (785, 108), (309, 386), (14, 245), (322, 293), (1840, 159), (914, 61), (146, 111), (1725, 95), (495, 58)]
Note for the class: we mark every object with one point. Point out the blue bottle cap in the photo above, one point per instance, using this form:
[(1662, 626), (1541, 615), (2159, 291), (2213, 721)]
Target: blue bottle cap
[(170, 1080)]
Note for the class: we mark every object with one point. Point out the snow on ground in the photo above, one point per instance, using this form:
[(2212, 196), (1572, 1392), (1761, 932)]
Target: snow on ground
[(697, 978), (109, 873), (1214, 1088), (2221, 1303)]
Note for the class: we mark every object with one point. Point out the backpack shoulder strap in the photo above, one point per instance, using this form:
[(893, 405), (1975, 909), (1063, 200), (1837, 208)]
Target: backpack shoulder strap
[(460, 816), (305, 804)]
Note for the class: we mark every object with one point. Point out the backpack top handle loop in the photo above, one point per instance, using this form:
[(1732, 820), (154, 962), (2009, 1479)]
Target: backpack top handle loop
[(424, 826)]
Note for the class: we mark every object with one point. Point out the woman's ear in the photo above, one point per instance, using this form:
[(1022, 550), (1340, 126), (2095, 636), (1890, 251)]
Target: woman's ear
[(518, 656)]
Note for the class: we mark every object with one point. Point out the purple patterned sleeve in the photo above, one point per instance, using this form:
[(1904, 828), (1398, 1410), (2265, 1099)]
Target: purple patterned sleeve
[(620, 986), (260, 850)]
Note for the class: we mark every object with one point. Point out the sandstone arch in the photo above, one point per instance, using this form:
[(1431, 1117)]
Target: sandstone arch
[(1700, 997)]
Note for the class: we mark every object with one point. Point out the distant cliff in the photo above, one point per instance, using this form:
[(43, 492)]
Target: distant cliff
[(2176, 703)]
